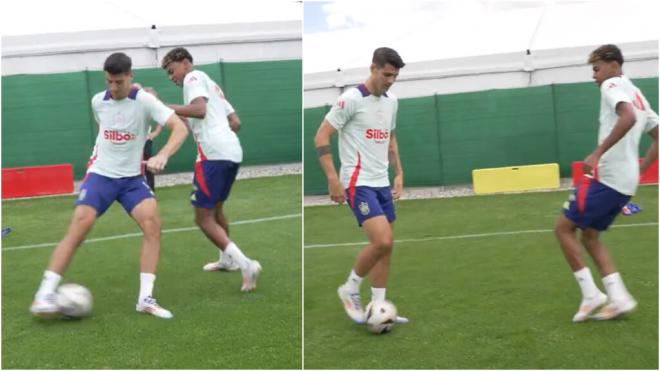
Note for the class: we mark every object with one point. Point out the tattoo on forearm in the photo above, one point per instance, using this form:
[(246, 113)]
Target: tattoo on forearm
[(323, 150)]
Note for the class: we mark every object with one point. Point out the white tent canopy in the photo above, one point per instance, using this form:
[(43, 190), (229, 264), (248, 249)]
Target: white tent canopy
[(26, 17), (425, 30)]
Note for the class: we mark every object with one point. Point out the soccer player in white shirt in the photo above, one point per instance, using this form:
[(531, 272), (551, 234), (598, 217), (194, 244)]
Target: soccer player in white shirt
[(219, 155), (122, 113), (625, 115), (365, 119)]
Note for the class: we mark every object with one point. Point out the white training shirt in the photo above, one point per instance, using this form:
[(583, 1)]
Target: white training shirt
[(215, 139), (364, 123), (123, 127), (618, 168)]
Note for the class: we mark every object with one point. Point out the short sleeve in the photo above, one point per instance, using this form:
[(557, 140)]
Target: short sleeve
[(229, 109), (94, 110), (394, 112), (341, 112), (155, 108), (194, 87), (613, 93), (651, 120)]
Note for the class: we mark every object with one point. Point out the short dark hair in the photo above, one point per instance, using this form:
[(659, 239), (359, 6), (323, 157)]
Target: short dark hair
[(117, 63), (175, 55), (607, 53), (384, 55)]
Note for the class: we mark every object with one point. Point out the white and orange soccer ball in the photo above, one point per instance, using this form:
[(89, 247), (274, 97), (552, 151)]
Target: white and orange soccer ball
[(74, 300), (381, 316)]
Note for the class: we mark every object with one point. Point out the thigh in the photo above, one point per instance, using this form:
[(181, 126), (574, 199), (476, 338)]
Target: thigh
[(146, 210), (133, 191), (212, 183), (377, 228), (365, 204), (224, 179), (594, 205), (386, 203), (97, 192)]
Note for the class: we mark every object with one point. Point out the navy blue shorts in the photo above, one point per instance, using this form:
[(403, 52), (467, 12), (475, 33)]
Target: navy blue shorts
[(594, 205), (367, 202), (212, 182), (100, 192)]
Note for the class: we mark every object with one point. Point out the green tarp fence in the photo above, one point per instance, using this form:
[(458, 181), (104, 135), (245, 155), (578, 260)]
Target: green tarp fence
[(442, 138), (47, 119)]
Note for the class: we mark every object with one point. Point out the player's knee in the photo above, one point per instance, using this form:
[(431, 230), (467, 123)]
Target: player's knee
[(203, 220), (561, 227), (384, 243), (84, 219), (151, 226), (589, 241)]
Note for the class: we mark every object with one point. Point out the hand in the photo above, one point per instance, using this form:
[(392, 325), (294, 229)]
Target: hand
[(397, 190), (336, 191), (590, 163), (157, 163)]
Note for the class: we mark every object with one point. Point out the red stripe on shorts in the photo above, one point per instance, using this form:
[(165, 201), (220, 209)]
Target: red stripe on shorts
[(583, 189), (199, 175)]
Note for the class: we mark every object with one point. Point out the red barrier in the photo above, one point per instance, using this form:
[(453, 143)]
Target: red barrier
[(650, 176), (37, 180)]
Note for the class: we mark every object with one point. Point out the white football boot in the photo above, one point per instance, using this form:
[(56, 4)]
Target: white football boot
[(588, 306), (352, 304), (223, 264), (250, 276), (45, 306), (615, 309), (150, 306)]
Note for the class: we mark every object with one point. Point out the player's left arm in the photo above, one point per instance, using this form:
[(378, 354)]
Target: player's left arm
[(179, 133), (395, 163), (232, 116), (625, 122), (196, 108), (652, 153)]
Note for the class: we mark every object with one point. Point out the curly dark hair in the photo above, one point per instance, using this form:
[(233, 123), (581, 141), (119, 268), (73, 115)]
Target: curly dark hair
[(175, 55), (607, 53)]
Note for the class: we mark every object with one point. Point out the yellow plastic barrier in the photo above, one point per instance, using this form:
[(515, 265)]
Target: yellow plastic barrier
[(515, 178)]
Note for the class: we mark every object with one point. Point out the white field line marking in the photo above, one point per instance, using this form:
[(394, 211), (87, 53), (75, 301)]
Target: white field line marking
[(173, 230), (464, 236)]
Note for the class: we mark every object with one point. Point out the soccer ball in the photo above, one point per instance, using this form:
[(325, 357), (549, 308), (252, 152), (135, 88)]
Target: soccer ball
[(381, 316), (74, 300)]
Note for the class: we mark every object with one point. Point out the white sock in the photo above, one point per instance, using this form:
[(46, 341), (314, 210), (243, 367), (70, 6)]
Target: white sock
[(378, 294), (234, 253), (48, 283), (224, 258), (146, 285), (615, 287), (353, 282), (586, 282)]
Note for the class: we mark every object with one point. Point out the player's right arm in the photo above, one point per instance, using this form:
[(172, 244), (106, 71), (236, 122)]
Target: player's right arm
[(324, 153)]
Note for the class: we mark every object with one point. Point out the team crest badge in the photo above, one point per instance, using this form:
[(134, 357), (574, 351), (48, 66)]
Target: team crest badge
[(364, 208), (193, 197)]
